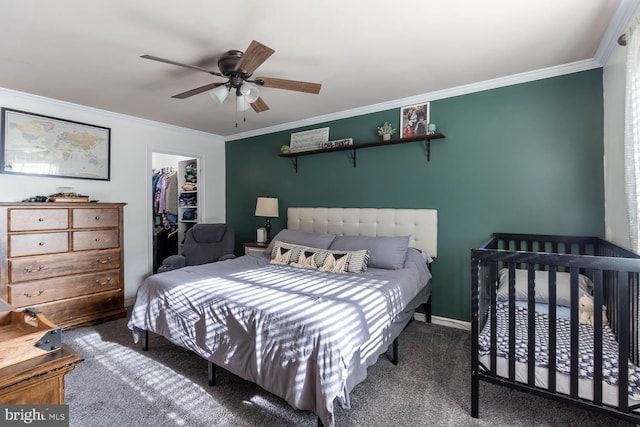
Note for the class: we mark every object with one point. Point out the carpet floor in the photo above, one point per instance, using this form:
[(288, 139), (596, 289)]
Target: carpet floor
[(118, 384)]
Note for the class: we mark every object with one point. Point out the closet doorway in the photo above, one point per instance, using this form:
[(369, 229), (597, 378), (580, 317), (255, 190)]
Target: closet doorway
[(174, 189)]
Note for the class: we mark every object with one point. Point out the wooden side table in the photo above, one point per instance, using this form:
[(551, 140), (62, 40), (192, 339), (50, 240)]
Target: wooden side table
[(38, 381), (254, 247)]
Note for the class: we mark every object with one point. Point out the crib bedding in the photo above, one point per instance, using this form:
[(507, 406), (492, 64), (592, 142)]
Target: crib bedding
[(292, 331), (563, 353)]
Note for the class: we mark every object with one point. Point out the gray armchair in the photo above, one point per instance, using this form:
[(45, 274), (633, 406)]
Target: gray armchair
[(203, 243)]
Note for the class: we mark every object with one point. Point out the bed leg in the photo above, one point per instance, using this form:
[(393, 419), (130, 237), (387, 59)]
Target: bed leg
[(145, 341), (212, 373), (427, 311), (394, 350)]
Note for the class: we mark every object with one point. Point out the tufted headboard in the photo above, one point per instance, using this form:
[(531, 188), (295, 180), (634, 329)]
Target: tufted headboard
[(421, 224)]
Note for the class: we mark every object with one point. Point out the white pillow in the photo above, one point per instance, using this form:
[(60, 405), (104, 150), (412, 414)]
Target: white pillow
[(563, 286)]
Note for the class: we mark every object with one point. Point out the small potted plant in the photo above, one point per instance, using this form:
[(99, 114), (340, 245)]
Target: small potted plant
[(386, 130)]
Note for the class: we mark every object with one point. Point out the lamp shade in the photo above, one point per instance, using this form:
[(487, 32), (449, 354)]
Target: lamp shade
[(219, 94), (241, 103), (267, 207), (250, 92)]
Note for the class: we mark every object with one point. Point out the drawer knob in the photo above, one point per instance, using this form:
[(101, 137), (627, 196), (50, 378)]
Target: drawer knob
[(106, 282), (97, 239), (28, 295), (41, 244), (97, 217), (28, 269), (41, 219), (103, 261)]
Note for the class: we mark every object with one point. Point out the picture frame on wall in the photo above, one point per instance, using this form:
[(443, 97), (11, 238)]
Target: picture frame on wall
[(34, 144), (414, 120)]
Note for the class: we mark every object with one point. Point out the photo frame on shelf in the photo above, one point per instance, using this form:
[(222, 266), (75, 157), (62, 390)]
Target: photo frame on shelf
[(414, 120), (34, 144), (308, 139)]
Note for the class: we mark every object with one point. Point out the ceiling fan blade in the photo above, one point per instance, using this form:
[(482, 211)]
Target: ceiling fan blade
[(168, 61), (289, 85), (253, 57), (197, 90), (259, 105)]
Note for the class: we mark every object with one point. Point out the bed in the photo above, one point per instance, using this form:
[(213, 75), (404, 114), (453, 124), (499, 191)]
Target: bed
[(304, 319), (523, 285)]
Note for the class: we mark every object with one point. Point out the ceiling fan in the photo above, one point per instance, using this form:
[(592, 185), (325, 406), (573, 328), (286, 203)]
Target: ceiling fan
[(237, 67)]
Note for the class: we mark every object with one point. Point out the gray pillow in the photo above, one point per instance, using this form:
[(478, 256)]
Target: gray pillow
[(384, 252), (563, 286), (302, 238)]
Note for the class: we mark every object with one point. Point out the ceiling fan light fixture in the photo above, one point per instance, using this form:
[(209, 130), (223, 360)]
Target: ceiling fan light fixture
[(219, 94), (241, 103), (250, 92)]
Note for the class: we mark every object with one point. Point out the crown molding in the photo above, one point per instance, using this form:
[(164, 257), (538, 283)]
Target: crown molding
[(574, 67), (617, 26), (64, 104)]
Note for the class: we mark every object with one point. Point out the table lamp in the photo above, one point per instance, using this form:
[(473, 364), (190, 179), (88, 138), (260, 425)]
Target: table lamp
[(267, 207)]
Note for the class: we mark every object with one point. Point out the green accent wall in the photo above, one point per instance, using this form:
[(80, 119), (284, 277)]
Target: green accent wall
[(527, 158)]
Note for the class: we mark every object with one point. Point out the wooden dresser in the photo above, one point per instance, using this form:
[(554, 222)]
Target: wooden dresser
[(64, 259), (38, 381)]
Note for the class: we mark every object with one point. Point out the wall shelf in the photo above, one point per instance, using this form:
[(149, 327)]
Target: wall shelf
[(355, 147)]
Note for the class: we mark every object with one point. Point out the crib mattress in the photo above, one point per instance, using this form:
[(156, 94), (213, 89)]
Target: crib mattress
[(585, 382)]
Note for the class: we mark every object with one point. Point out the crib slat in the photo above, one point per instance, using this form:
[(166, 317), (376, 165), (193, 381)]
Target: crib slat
[(573, 378), (531, 322), (552, 327), (623, 341), (494, 320), (512, 321), (597, 337)]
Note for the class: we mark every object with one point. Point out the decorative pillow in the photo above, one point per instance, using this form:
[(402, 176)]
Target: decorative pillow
[(293, 252), (281, 255), (322, 259), (302, 238), (335, 263), (563, 286), (344, 261), (385, 252), (306, 259)]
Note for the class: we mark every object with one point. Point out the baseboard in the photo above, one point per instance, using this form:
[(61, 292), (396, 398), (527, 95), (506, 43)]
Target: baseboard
[(444, 321), (129, 302)]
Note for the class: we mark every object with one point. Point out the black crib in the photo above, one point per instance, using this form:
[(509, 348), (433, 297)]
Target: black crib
[(614, 272)]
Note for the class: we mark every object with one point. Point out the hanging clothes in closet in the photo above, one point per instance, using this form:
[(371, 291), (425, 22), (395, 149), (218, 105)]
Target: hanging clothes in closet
[(165, 215), (165, 197)]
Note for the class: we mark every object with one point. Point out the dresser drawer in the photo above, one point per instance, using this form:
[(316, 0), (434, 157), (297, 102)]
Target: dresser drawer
[(90, 218), (95, 239), (45, 266), (38, 243), (76, 310), (40, 291), (38, 219)]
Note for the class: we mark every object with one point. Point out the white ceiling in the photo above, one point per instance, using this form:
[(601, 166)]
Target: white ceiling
[(364, 52)]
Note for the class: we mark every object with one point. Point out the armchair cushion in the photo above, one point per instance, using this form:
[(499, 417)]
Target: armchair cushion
[(203, 243), (171, 263), (206, 243), (208, 233)]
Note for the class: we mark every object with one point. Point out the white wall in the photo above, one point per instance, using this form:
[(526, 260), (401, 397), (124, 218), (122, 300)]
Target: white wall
[(132, 142)]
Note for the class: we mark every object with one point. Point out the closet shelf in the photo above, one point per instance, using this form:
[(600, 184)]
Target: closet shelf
[(353, 148)]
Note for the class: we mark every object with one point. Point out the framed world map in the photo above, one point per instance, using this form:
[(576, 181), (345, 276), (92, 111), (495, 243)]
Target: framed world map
[(33, 144)]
